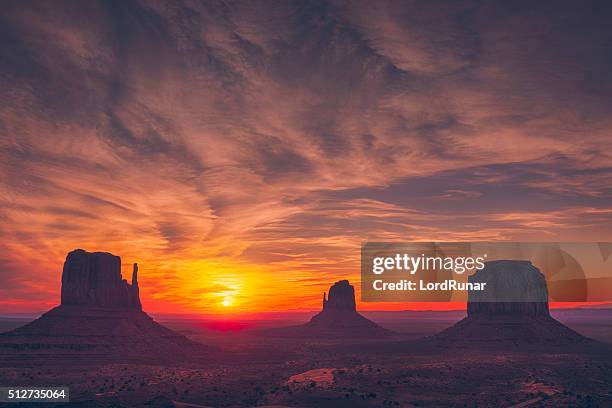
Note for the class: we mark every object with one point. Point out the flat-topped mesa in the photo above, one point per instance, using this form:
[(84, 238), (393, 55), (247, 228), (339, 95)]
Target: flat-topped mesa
[(513, 288), (512, 312), (94, 279), (341, 297)]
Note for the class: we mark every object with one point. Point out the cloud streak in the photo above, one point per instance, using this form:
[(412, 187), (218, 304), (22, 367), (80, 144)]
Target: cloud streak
[(255, 145)]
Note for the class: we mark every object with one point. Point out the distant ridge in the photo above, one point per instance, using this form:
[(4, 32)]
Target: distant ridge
[(100, 318)]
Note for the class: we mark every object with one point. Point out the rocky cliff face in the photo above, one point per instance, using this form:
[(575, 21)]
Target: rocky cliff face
[(94, 279), (512, 312), (338, 319), (341, 297), (513, 288), (100, 318)]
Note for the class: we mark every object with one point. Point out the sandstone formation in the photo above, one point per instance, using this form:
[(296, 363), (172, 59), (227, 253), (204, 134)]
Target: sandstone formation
[(341, 297), (513, 288), (100, 318), (338, 319), (512, 311), (94, 279)]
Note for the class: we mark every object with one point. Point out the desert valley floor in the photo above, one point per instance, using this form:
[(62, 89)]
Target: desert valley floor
[(246, 369)]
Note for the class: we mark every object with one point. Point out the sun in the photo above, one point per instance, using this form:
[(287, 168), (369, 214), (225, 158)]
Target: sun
[(226, 302)]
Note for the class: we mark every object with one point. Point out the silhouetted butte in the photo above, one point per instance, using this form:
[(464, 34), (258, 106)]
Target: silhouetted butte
[(100, 317), (338, 319), (513, 310)]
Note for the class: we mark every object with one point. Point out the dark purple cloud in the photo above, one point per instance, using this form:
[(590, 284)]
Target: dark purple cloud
[(275, 137)]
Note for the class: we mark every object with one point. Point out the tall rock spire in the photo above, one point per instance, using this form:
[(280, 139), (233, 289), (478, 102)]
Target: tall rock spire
[(135, 275), (135, 289)]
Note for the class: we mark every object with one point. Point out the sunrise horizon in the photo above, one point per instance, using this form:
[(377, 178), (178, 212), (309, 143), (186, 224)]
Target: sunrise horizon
[(228, 307)]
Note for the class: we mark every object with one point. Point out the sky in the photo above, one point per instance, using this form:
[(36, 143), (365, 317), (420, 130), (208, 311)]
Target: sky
[(241, 152)]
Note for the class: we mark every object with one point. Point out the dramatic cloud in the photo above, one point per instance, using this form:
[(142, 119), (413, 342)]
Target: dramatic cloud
[(245, 150)]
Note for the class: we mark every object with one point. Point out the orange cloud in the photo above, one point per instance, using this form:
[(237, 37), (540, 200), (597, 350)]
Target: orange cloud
[(245, 153)]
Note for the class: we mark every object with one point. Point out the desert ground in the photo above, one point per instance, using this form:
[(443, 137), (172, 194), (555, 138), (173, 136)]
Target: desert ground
[(248, 370)]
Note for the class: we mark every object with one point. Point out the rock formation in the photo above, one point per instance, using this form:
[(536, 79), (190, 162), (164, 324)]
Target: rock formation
[(100, 318), (512, 311), (341, 297), (338, 319), (94, 279), (513, 288)]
